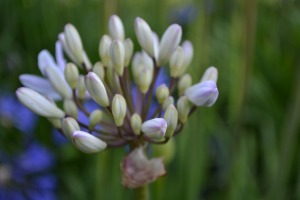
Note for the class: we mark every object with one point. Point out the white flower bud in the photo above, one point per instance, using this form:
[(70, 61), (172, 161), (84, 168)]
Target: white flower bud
[(71, 75), (99, 70), (116, 28), (69, 125), (168, 101), (176, 61), (210, 73), (81, 87), (184, 82), (95, 118), (119, 109), (70, 108), (96, 89), (162, 92), (188, 51), (203, 94), (145, 80), (183, 109), (137, 69), (144, 35), (168, 43), (171, 117), (87, 143), (73, 42), (117, 56), (62, 39), (104, 45), (155, 128), (57, 82), (38, 104), (136, 123), (128, 47)]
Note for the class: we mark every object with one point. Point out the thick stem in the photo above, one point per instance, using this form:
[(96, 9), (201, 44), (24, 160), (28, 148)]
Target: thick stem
[(141, 193)]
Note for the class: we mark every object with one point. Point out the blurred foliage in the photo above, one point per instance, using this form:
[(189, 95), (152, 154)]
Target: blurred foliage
[(244, 147)]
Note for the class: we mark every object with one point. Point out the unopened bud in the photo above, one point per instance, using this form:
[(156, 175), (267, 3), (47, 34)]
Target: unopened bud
[(81, 87), (116, 28), (70, 108), (128, 47), (57, 82), (99, 70), (62, 39), (171, 117), (71, 75), (183, 109), (104, 49), (203, 94), (73, 42), (117, 56), (87, 143), (184, 82), (168, 43), (188, 51), (144, 35), (96, 89), (136, 123), (155, 128), (119, 109), (137, 69), (69, 125), (210, 73), (95, 118), (145, 80), (38, 104), (55, 122), (162, 92), (176, 61), (168, 101)]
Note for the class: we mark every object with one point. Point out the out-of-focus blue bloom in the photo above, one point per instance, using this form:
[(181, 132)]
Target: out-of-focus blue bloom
[(13, 113), (184, 15), (28, 175)]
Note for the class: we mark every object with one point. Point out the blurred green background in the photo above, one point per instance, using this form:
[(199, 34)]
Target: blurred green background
[(244, 147)]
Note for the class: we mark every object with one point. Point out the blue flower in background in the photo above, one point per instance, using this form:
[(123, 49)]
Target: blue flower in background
[(28, 175)]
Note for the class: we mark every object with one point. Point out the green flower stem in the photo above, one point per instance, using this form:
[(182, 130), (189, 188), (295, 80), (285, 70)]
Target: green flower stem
[(141, 193)]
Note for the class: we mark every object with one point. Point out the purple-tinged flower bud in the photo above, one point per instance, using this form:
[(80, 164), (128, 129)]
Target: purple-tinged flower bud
[(71, 75), (203, 94), (38, 104), (73, 42), (96, 89), (104, 45), (87, 143), (70, 108), (99, 70), (116, 28), (117, 56), (57, 82), (210, 73), (155, 128), (176, 61), (69, 125), (119, 109), (128, 47), (144, 35), (168, 43), (184, 82), (188, 51)]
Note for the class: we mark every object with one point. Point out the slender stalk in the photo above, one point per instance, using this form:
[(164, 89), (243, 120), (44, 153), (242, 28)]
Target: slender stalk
[(129, 85), (157, 111), (79, 105), (141, 193), (138, 100), (179, 130), (126, 93), (121, 136), (84, 67), (192, 110), (157, 142), (117, 144), (171, 83), (109, 86), (143, 108)]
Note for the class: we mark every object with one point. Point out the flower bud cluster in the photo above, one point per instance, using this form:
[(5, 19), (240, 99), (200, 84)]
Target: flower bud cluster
[(126, 113)]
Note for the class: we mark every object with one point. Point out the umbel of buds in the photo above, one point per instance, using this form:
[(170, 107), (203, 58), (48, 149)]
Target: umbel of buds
[(133, 113)]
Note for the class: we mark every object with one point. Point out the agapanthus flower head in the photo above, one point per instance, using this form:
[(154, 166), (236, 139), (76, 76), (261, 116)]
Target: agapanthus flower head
[(127, 112)]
